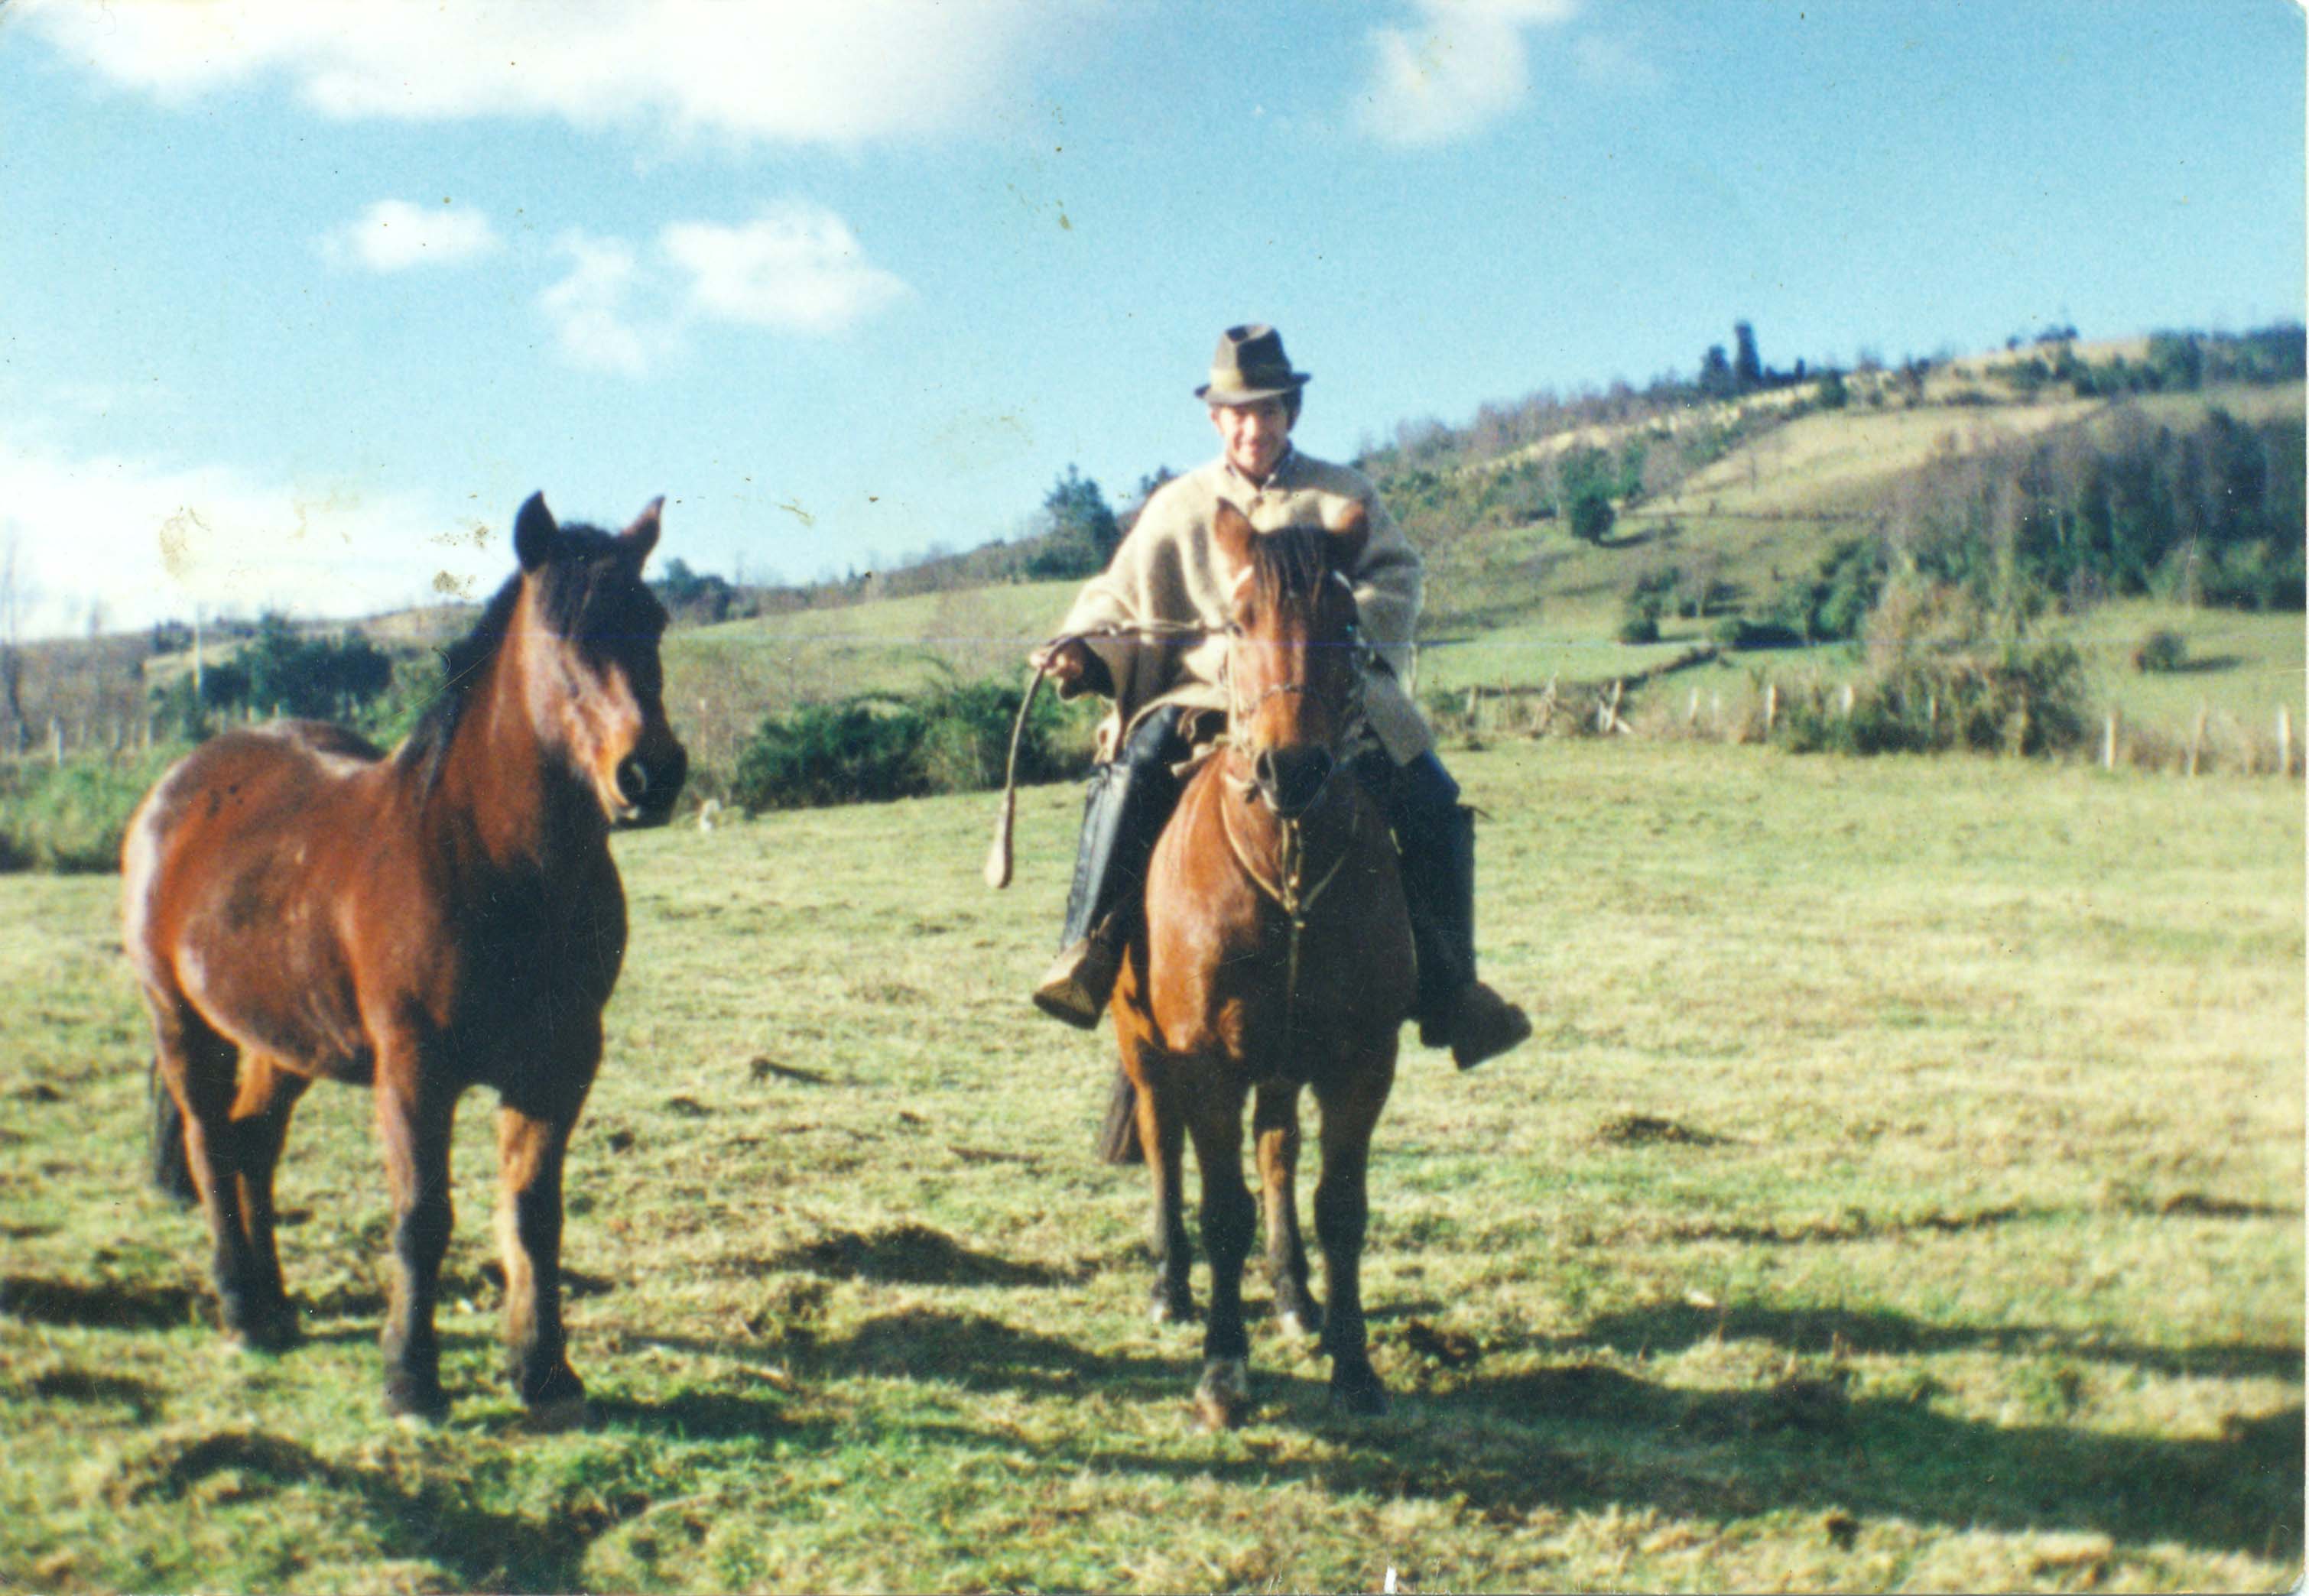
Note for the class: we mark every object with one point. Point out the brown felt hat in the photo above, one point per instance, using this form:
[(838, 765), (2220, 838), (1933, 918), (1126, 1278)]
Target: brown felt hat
[(1250, 365)]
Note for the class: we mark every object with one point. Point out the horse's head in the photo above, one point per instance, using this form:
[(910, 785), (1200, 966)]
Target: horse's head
[(1294, 662), (595, 689)]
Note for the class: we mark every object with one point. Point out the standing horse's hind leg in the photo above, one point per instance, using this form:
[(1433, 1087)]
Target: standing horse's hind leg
[(198, 1066), (531, 1155), (1351, 1110), (414, 1118), (1275, 1129), (1230, 1219), (268, 1095)]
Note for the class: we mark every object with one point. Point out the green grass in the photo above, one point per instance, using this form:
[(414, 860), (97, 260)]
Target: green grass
[(1903, 1190)]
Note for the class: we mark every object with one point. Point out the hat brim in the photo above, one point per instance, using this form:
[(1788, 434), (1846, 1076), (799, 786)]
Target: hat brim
[(1210, 393)]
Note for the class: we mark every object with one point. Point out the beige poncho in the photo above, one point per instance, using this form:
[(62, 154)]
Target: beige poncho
[(1166, 570)]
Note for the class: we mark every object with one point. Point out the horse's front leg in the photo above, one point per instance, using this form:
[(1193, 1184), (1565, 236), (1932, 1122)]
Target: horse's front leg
[(1351, 1110), (414, 1116), (1230, 1220), (531, 1149), (1161, 1141), (1274, 1131)]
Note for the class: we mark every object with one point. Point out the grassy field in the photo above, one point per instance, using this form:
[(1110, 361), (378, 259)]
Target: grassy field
[(1903, 1190)]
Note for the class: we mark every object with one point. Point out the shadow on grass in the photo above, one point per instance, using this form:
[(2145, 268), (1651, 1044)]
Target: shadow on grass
[(1585, 1439), (915, 1255), (984, 1354), (111, 1305), (481, 1549), (1671, 1327), (1587, 1435)]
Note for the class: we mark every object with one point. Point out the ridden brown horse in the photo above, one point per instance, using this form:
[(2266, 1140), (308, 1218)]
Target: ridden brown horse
[(1276, 954), (298, 904)]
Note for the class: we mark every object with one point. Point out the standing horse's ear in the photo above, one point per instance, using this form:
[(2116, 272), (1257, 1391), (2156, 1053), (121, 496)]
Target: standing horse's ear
[(1230, 530), (1350, 533), (641, 535), (534, 532)]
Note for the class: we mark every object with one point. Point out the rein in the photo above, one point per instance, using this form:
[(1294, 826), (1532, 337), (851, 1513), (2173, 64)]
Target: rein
[(998, 853)]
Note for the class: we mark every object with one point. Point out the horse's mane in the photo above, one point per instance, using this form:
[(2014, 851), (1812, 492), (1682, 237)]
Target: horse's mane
[(1289, 563), (563, 588)]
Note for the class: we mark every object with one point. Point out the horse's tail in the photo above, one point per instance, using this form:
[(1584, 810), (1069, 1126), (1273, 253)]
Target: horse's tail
[(1118, 1138), (172, 1168)]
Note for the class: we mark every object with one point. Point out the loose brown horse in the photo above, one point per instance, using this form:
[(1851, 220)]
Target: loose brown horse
[(297, 905), (1278, 954)]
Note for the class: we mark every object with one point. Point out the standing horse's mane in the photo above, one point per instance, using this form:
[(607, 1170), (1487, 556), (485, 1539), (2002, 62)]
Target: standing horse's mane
[(562, 592)]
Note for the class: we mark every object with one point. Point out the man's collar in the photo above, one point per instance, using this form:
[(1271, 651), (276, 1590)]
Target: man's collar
[(1289, 458)]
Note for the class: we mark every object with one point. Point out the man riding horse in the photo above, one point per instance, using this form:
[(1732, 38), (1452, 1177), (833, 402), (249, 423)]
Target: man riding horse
[(1150, 633)]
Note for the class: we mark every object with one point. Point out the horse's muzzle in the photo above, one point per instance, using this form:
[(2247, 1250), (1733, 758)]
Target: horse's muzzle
[(649, 784), (1292, 781)]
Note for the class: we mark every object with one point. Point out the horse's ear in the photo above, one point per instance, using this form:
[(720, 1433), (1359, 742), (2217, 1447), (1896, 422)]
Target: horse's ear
[(1230, 530), (535, 533), (1350, 533), (641, 536)]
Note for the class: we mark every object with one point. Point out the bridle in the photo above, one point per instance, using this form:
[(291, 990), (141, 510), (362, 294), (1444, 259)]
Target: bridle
[(1287, 886)]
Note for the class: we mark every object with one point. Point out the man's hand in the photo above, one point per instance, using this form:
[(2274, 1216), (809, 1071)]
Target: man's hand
[(1068, 663)]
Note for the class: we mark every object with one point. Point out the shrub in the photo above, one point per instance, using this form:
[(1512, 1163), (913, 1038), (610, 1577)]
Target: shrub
[(71, 818), (952, 737), (2161, 652), (2027, 700), (1639, 622)]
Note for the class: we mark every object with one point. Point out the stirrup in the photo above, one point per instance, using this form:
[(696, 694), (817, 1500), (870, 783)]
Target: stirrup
[(1483, 1025), (1078, 986)]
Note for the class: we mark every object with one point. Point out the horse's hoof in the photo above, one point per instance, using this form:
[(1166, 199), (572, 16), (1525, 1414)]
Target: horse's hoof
[(1361, 1394), (268, 1338), (1171, 1310), (416, 1402), (1222, 1396), (561, 1414), (1304, 1324)]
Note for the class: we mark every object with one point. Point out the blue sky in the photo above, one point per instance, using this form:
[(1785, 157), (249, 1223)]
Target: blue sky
[(302, 298)]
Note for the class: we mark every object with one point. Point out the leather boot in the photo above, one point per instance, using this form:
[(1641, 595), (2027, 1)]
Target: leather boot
[(1436, 835), (1124, 811)]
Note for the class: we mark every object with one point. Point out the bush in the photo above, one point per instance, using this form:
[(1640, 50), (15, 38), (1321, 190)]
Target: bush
[(952, 737), (2027, 700), (71, 818), (1639, 622), (2161, 652)]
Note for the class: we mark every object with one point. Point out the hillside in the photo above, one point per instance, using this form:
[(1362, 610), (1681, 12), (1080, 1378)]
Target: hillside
[(1718, 505)]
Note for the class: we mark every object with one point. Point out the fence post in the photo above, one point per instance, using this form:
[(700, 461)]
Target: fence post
[(2108, 741), (2197, 737), (1691, 710), (1848, 700), (1771, 706), (55, 741), (2284, 740)]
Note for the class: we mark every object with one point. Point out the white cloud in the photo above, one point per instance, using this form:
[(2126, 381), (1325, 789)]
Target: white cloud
[(592, 310), (393, 235), (839, 72), (1462, 65), (797, 268), (152, 540)]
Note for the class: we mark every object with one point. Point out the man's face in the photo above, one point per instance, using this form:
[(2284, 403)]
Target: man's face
[(1255, 435)]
